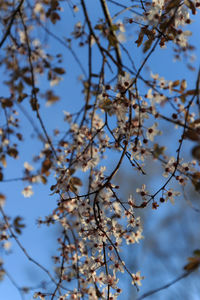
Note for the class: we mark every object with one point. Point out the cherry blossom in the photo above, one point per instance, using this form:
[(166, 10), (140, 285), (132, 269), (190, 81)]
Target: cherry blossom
[(123, 106), (170, 195), (27, 191), (137, 278)]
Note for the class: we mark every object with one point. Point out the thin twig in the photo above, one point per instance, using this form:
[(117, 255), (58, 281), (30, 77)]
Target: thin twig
[(152, 292)]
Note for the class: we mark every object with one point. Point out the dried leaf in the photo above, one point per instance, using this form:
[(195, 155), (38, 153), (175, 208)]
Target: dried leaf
[(196, 252), (183, 85), (183, 99), (46, 165), (43, 179), (6, 103), (157, 150), (192, 135), (28, 80), (22, 97), (99, 27), (112, 39), (114, 27), (172, 4), (2, 198), (140, 38), (196, 175), (176, 83), (12, 152), (18, 225), (1, 176), (3, 161), (20, 87), (191, 92), (193, 264), (196, 152), (76, 181), (71, 171), (191, 6), (196, 180), (34, 104), (51, 98), (54, 17), (147, 45), (59, 71)]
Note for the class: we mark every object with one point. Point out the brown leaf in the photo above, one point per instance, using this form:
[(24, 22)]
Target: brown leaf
[(196, 175), (183, 99), (192, 135), (6, 103), (28, 80), (22, 97), (43, 179), (1, 176), (172, 4), (46, 165), (3, 161), (2, 198), (51, 97), (20, 87), (140, 38), (112, 39), (193, 264), (54, 17), (157, 150), (196, 180), (18, 225), (59, 71), (34, 104), (183, 85), (76, 181), (147, 45), (196, 152), (99, 27), (12, 152), (71, 171), (175, 83), (191, 92), (190, 5), (197, 252)]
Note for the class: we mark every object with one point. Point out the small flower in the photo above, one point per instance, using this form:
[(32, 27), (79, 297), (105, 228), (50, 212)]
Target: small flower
[(27, 191), (138, 235), (170, 167), (124, 82), (38, 8), (110, 280), (28, 167), (55, 80), (152, 131), (117, 267), (155, 205), (39, 295), (7, 245), (137, 278), (143, 192), (170, 194), (22, 36)]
